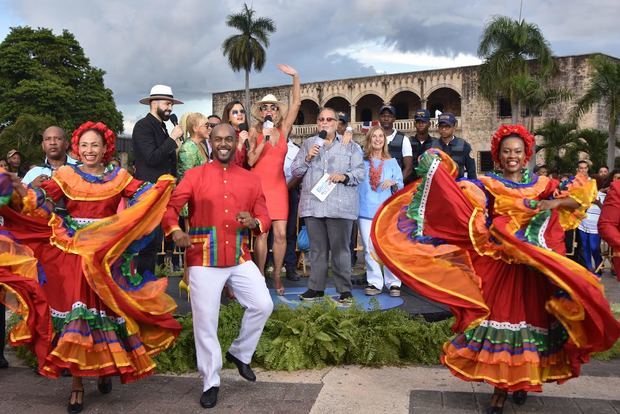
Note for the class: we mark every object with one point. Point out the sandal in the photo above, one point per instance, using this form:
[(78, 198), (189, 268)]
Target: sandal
[(497, 401), (104, 385), (77, 396), (519, 397), (278, 286)]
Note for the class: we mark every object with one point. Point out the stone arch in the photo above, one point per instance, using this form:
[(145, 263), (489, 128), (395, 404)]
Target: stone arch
[(308, 112), (367, 107), (444, 99), (339, 104), (406, 103)]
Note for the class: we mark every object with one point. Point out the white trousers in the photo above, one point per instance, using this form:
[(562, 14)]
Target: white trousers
[(206, 289), (373, 269)]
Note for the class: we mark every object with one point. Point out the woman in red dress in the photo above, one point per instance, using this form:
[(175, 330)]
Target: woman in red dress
[(266, 157), (107, 320), (493, 251)]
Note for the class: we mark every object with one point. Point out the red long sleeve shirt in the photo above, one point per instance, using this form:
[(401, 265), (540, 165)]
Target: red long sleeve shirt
[(609, 221), (215, 194)]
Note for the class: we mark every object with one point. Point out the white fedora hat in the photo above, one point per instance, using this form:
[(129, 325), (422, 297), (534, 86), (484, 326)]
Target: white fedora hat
[(160, 92)]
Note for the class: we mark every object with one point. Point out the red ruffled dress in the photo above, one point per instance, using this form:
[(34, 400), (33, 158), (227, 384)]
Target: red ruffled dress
[(106, 319), (525, 314), (270, 169)]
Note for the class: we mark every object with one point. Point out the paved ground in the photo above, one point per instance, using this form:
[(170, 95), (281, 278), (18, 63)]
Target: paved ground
[(347, 389), (334, 390)]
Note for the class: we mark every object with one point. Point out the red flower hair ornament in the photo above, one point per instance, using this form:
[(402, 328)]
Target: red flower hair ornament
[(507, 130), (109, 138)]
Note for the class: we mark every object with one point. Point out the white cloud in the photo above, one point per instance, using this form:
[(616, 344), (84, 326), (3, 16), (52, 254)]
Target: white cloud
[(388, 59)]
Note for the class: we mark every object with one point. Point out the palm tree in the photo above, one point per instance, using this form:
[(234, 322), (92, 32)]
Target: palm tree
[(594, 143), (536, 95), (246, 50), (605, 88), (510, 49), (560, 145)]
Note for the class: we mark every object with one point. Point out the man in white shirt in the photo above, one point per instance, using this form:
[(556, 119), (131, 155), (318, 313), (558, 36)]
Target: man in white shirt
[(399, 145), (54, 146)]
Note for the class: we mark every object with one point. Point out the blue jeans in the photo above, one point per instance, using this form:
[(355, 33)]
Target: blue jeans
[(591, 247)]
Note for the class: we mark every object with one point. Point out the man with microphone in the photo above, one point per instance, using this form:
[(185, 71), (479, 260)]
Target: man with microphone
[(155, 154), (329, 203)]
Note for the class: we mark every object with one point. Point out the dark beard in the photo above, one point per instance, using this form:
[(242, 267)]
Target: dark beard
[(162, 114)]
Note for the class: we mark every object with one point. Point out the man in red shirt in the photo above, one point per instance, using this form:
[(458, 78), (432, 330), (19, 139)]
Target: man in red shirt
[(225, 203), (609, 223)]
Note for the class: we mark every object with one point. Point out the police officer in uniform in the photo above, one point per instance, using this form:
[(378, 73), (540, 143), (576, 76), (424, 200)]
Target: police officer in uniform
[(457, 148), (399, 145), (421, 141)]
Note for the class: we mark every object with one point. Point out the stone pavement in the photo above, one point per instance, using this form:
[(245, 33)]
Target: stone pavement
[(345, 389)]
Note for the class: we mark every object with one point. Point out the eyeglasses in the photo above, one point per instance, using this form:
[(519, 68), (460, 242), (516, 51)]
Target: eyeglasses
[(211, 125), (328, 119), (269, 107), (240, 111)]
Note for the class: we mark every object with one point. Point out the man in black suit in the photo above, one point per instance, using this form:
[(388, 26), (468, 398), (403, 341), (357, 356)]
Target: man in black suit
[(155, 153)]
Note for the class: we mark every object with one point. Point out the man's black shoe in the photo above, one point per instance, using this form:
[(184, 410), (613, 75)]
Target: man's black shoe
[(208, 399), (311, 295), (244, 369), (291, 274)]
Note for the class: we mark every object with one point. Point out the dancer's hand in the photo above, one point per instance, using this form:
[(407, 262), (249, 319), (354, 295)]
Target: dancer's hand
[(181, 239), (246, 220)]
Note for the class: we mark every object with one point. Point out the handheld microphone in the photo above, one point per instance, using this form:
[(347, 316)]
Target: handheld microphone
[(244, 127), (322, 136), (173, 118), (267, 125)]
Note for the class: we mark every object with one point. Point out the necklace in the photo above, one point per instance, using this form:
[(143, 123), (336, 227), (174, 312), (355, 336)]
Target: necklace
[(375, 173)]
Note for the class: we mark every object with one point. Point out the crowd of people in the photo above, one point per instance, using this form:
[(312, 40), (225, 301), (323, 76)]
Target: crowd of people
[(81, 236)]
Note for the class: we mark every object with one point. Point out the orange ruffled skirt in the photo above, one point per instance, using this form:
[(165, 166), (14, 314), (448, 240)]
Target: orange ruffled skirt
[(525, 315), (103, 319)]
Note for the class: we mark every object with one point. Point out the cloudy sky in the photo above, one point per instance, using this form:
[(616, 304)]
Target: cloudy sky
[(140, 43)]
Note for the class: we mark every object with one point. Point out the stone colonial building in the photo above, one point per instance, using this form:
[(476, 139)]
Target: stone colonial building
[(447, 90)]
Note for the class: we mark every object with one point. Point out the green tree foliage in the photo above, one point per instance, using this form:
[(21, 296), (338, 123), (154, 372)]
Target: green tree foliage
[(510, 50), (594, 143), (563, 144), (25, 135), (44, 75), (536, 95), (604, 88), (560, 145), (246, 50)]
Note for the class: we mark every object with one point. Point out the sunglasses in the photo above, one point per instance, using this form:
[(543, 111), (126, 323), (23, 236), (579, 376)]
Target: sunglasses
[(269, 107), (211, 125), (240, 111), (328, 119)]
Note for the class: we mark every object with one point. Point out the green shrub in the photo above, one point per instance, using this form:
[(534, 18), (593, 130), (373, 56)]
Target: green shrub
[(320, 334)]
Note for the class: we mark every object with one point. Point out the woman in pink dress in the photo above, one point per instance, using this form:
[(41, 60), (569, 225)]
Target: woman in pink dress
[(266, 157)]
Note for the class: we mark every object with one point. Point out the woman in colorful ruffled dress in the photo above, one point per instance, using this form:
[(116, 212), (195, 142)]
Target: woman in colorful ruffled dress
[(493, 251), (107, 320)]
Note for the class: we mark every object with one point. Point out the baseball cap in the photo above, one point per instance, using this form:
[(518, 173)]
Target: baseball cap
[(446, 118), (343, 117), (388, 108), (422, 115), (12, 152)]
